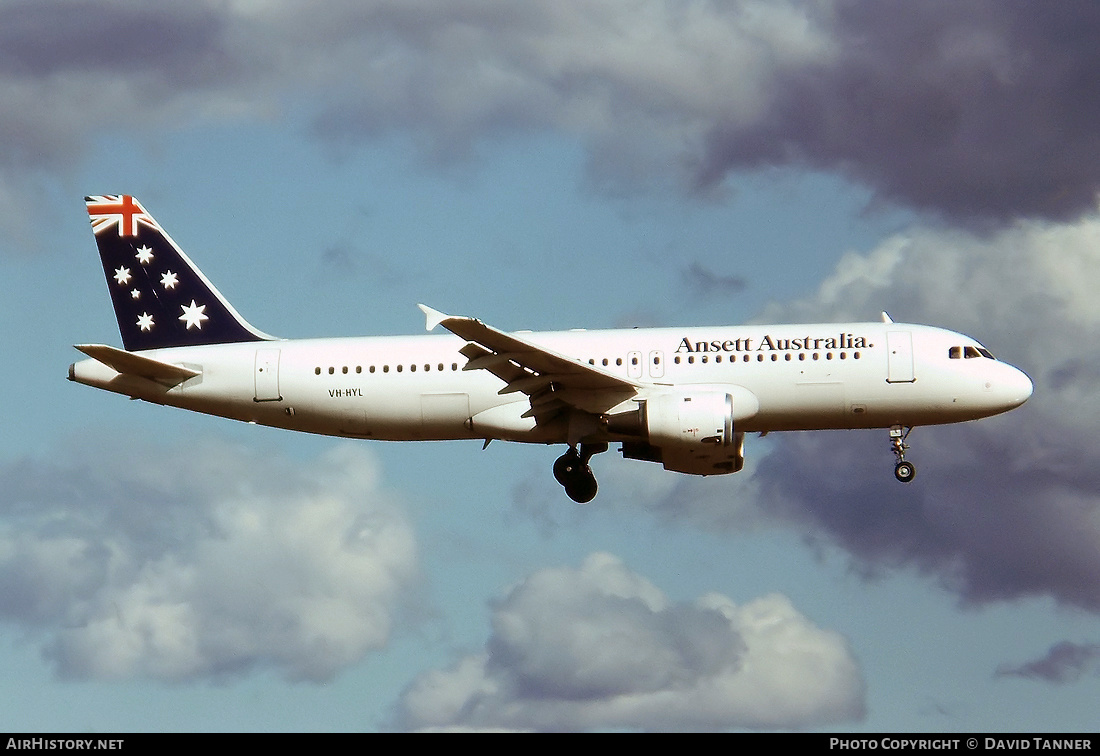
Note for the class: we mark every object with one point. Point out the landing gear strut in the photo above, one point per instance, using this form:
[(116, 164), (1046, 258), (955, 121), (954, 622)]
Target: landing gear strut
[(903, 471), (572, 471)]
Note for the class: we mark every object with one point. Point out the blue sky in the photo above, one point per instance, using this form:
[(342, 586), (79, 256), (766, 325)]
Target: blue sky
[(553, 165)]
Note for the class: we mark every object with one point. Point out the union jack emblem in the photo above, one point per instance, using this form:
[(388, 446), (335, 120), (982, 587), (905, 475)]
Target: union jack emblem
[(121, 210)]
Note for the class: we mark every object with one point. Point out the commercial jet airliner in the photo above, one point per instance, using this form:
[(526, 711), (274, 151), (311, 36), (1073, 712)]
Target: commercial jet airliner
[(683, 397)]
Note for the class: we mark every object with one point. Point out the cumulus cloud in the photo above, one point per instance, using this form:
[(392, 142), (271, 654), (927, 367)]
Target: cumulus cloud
[(600, 647), (976, 111), (202, 560)]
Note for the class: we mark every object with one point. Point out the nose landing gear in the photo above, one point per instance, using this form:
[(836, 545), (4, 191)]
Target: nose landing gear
[(572, 471), (903, 471)]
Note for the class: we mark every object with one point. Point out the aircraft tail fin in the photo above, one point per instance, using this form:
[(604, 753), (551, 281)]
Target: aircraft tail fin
[(161, 298)]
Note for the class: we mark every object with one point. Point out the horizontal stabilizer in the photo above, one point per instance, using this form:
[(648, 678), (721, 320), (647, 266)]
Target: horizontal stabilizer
[(135, 364)]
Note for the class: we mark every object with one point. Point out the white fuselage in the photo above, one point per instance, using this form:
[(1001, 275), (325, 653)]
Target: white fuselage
[(781, 377)]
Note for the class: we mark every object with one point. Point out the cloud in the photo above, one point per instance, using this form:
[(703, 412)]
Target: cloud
[(1002, 508), (703, 282), (1065, 662), (980, 112), (599, 647), (202, 560), (975, 111)]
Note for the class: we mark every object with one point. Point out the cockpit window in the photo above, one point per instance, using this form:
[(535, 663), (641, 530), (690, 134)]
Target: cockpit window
[(969, 352)]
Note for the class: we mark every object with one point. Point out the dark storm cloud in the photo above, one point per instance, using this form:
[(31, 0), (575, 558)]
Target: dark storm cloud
[(977, 111), (42, 39), (985, 528), (1065, 662), (69, 69)]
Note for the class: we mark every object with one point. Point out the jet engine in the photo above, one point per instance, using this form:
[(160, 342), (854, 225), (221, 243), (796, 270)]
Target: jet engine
[(690, 432)]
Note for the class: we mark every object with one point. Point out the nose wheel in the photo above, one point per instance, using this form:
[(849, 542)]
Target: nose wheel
[(572, 471), (903, 470)]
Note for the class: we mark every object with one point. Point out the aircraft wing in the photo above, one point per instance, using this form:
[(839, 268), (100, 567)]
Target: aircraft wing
[(129, 363), (553, 381)]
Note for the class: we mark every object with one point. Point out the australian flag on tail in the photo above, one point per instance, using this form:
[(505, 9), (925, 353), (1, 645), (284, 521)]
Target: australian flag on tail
[(161, 299)]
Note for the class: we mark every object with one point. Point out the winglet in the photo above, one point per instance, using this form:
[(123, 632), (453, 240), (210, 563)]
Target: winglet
[(886, 317), (435, 317)]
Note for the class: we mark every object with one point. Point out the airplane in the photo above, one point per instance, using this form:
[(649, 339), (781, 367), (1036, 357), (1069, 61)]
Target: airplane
[(681, 397)]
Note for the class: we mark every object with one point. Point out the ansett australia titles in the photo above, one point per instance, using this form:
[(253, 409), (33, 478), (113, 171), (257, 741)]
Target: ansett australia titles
[(769, 343)]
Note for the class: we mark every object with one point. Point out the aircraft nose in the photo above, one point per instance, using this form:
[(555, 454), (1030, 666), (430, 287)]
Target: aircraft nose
[(1015, 387), (1024, 386)]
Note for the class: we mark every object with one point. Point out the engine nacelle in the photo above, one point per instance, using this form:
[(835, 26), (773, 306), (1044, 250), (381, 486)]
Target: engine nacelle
[(691, 432)]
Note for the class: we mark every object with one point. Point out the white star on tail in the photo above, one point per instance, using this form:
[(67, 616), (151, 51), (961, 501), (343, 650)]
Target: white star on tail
[(144, 254), (122, 275), (169, 280), (145, 321), (193, 315)]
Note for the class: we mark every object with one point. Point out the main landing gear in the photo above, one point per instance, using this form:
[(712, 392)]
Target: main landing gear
[(903, 471), (572, 471)]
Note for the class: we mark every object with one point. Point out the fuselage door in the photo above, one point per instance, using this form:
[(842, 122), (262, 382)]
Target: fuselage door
[(267, 375), (899, 351)]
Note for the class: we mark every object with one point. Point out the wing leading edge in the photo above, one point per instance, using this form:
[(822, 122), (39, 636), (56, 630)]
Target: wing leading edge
[(553, 382)]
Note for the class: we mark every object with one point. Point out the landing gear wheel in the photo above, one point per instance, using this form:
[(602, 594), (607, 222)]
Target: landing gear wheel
[(571, 470), (582, 487), (566, 466), (904, 471)]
